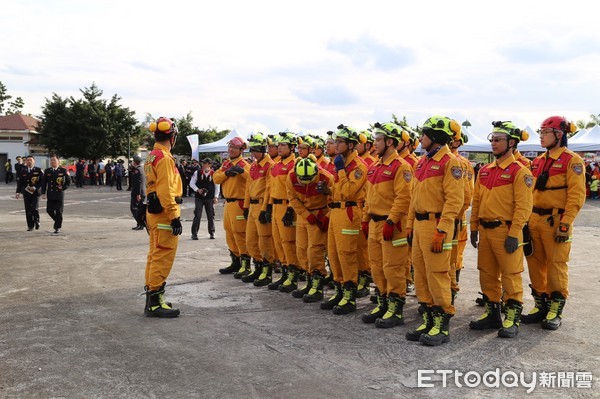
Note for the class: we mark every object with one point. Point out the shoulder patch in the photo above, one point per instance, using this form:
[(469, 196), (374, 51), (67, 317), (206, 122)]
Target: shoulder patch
[(577, 168), (456, 172), (358, 173), (407, 176), (528, 180)]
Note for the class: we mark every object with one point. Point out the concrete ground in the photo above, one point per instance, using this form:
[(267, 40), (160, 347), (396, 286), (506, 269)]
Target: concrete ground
[(72, 324)]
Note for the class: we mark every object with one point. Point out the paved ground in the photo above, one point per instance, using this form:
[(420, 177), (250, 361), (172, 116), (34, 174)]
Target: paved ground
[(71, 322)]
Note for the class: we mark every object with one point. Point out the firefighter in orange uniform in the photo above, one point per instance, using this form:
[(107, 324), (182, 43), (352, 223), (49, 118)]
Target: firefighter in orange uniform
[(558, 195), (312, 221), (436, 201), (347, 198), (259, 238), (163, 188), (319, 152), (502, 201), (459, 241), (232, 177), (284, 218), (389, 183)]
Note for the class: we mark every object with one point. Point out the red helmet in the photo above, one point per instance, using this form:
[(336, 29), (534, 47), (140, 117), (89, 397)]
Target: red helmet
[(163, 125), (559, 123), (238, 142)]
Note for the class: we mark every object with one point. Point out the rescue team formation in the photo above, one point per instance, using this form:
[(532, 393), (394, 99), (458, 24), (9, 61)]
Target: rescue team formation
[(359, 207)]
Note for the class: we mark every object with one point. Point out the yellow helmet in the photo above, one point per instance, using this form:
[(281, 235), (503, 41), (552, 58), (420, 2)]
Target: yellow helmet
[(441, 129), (306, 169)]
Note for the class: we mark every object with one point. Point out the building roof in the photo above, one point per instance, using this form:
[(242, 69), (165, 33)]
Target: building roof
[(18, 122)]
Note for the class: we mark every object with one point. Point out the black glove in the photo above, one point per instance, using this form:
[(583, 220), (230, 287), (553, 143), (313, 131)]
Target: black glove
[(474, 238), (288, 218), (269, 212), (246, 211), (262, 217), (176, 226), (511, 244), (230, 172)]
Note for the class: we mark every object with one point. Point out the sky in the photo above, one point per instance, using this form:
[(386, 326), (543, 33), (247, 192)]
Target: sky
[(307, 66)]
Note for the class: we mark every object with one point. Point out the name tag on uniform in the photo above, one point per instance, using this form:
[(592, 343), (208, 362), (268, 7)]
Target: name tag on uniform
[(387, 172), (435, 167), (505, 175)]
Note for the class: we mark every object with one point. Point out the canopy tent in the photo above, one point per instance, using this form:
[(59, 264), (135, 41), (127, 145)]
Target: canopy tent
[(579, 136), (219, 145), (532, 143), (475, 143), (590, 142)]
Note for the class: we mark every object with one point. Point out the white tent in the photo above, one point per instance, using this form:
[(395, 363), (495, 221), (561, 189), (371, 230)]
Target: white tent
[(532, 143), (588, 143), (220, 145), (475, 142), (579, 136)]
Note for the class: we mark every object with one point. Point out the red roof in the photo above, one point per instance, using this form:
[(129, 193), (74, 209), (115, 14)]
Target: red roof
[(18, 122)]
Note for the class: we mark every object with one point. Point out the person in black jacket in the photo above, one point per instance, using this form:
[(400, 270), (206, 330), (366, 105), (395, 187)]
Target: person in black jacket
[(206, 192), (138, 191), (56, 181), (29, 184), (181, 168), (79, 173)]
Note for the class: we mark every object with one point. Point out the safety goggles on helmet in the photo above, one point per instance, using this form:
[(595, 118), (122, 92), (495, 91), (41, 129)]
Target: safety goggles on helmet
[(163, 125), (508, 128), (306, 169), (287, 138), (448, 126), (349, 133)]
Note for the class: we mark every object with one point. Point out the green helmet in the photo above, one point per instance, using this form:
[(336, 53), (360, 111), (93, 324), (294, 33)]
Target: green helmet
[(369, 135), (389, 130), (349, 133), (441, 129), (287, 138), (510, 129), (319, 141), (307, 140), (306, 169), (257, 142), (272, 140)]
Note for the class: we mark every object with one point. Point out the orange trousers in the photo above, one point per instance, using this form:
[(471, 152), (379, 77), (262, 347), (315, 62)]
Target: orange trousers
[(432, 271), (162, 250), (342, 241), (284, 237), (259, 238), (547, 266), (388, 259), (498, 269), (234, 225), (310, 246)]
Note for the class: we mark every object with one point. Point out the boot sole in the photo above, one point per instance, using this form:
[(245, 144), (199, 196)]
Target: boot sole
[(487, 327), (258, 283), (380, 323), (502, 334), (551, 327), (170, 315), (425, 341), (309, 299), (341, 311), (413, 337)]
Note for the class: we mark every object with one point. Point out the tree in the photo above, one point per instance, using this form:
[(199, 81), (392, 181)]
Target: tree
[(14, 107), (90, 127)]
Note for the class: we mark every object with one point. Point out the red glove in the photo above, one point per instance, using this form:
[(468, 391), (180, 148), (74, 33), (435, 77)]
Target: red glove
[(323, 223), (364, 226), (388, 230), (437, 242), (312, 219)]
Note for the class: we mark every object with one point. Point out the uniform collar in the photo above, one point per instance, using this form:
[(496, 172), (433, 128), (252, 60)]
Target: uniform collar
[(505, 164), (266, 158), (161, 147), (289, 159), (555, 153), (393, 156), (351, 157), (443, 150)]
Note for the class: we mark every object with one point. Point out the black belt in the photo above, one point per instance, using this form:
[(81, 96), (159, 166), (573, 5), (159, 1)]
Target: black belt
[(549, 211), (493, 223), (232, 199), (347, 204), (280, 201), (255, 201), (378, 218), (425, 216)]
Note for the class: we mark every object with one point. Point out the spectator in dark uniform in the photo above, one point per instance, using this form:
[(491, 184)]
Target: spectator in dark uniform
[(79, 173), (181, 169), (190, 169), (138, 191), (109, 173), (18, 166), (56, 181), (91, 169), (29, 184), (119, 171), (206, 193), (9, 174)]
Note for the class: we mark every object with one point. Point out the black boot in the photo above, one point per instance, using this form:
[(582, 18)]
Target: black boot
[(378, 311), (393, 317), (440, 332), (491, 318), (540, 309), (233, 267), (265, 275), (156, 306), (510, 327), (258, 265), (245, 268), (376, 293), (334, 299), (364, 282), (315, 293), (425, 326), (275, 284), (348, 302), (299, 293), (291, 282), (553, 319)]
